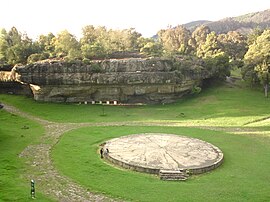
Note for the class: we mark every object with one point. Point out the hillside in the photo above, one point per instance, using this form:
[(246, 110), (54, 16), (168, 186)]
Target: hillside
[(244, 23)]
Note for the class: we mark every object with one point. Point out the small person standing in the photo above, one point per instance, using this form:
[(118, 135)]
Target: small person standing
[(101, 153), (33, 194)]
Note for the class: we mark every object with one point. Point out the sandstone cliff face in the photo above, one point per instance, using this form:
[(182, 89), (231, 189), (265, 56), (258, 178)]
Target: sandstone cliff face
[(8, 84), (126, 80)]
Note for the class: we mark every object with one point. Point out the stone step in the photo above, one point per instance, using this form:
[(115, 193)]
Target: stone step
[(173, 175)]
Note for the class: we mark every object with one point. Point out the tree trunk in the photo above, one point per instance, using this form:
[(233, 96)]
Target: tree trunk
[(266, 90)]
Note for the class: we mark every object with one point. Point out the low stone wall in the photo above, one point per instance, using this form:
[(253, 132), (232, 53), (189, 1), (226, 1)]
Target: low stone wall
[(195, 170), (131, 167), (200, 170)]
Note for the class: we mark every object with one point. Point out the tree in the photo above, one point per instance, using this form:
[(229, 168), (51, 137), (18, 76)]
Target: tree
[(66, 45), (15, 47), (252, 37), (99, 42), (218, 64), (175, 40), (3, 46), (199, 36), (211, 46), (264, 74), (234, 44), (46, 44), (89, 35), (258, 57), (216, 60), (152, 48)]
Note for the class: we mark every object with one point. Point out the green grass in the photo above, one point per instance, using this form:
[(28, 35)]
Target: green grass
[(15, 134), (219, 106), (244, 175)]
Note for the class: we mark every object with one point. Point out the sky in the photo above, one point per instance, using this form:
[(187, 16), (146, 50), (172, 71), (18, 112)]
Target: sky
[(36, 17)]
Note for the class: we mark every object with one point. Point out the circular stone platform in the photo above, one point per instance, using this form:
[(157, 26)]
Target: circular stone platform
[(152, 152)]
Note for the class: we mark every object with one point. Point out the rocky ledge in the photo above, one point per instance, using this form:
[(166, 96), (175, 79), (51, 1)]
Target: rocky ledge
[(133, 80)]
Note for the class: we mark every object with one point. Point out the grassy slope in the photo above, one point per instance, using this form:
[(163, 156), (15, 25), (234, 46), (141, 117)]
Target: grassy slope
[(242, 177), (220, 106), (13, 139)]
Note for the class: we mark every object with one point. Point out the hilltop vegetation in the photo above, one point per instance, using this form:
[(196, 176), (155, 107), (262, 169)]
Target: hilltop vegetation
[(243, 24)]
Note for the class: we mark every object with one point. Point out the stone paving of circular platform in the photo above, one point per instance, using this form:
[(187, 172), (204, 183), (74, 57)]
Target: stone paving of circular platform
[(152, 152)]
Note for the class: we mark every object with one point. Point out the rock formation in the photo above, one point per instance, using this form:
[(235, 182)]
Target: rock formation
[(8, 84), (133, 80)]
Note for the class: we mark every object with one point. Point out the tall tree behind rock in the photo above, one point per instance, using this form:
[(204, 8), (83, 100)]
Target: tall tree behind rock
[(66, 45), (175, 40), (215, 58), (44, 47), (98, 42), (199, 35), (209, 47), (234, 44), (258, 58), (15, 47)]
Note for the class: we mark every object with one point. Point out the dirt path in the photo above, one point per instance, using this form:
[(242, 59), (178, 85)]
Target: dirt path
[(41, 168), (40, 165)]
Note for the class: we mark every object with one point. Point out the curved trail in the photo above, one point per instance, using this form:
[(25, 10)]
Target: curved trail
[(40, 165), (48, 179)]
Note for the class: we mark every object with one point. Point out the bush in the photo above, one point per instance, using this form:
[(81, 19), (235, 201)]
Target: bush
[(95, 68), (37, 57), (196, 90)]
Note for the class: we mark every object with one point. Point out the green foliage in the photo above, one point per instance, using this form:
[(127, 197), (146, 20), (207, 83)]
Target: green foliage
[(263, 71), (219, 65), (249, 75), (86, 61), (234, 44), (258, 52), (210, 47), (100, 43), (66, 45), (95, 50), (46, 45), (199, 36), (152, 48), (15, 47), (175, 40), (257, 58), (252, 37), (196, 90), (96, 68), (37, 57)]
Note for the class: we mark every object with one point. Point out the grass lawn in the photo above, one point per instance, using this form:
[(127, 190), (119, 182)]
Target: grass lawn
[(244, 175), (217, 106), (15, 134)]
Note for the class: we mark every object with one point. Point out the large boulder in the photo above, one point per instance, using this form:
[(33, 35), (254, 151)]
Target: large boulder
[(151, 80)]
